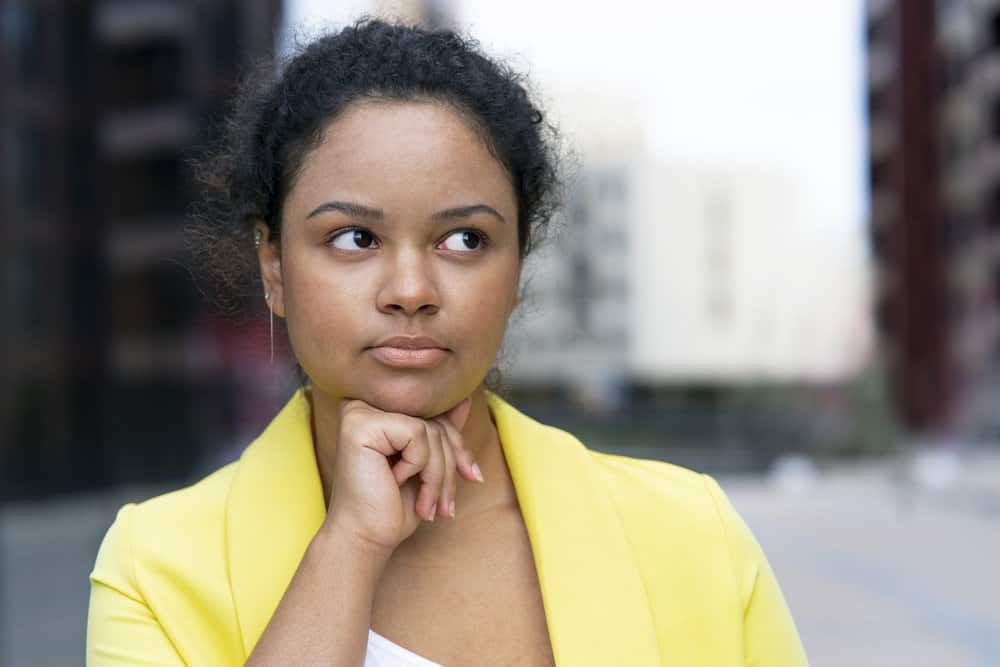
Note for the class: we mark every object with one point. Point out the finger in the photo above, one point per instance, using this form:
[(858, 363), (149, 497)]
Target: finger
[(414, 452), (408, 498), (431, 477), (387, 433), (466, 462), (446, 505)]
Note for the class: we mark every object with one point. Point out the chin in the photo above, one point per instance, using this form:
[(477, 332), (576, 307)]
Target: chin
[(411, 397)]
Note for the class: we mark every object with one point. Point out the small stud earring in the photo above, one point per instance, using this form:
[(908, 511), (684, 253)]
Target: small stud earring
[(256, 238)]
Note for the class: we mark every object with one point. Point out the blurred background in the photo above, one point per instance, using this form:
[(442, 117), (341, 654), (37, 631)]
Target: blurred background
[(778, 263)]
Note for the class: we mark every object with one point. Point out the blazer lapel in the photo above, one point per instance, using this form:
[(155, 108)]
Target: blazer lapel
[(274, 509), (595, 603)]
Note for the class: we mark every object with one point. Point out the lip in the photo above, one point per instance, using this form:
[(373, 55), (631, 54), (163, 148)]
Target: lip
[(403, 357), (409, 352), (410, 342)]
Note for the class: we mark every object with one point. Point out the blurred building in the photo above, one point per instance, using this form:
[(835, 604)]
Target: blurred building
[(726, 273), (108, 367), (572, 329), (934, 102), (670, 275)]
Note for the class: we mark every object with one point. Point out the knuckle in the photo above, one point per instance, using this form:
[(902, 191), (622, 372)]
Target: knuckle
[(433, 430), (421, 452), (432, 473), (458, 447)]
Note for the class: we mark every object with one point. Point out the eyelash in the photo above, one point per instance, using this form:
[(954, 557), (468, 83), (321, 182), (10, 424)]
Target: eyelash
[(484, 240)]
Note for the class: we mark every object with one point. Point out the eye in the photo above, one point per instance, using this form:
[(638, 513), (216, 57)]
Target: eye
[(352, 239), (465, 240)]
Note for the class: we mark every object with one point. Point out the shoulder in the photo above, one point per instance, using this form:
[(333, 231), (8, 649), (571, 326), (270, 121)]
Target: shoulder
[(691, 545), (643, 482), (161, 537), (193, 511), (160, 580), (675, 512)]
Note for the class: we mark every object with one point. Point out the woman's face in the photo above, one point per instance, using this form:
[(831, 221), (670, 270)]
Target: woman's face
[(400, 223)]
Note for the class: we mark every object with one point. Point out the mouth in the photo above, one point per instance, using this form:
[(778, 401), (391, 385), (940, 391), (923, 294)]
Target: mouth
[(409, 351), (408, 357)]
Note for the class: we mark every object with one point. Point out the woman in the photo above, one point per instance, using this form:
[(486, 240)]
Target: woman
[(391, 183)]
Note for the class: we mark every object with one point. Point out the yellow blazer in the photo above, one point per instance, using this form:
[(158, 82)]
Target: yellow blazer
[(640, 562)]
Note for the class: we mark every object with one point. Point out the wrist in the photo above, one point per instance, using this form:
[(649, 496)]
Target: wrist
[(335, 537)]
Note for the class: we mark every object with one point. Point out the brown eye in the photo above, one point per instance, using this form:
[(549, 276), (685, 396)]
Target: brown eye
[(353, 239), (464, 240)]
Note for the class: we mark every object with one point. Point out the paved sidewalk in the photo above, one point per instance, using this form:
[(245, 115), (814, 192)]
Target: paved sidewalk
[(47, 550), (880, 571), (877, 570)]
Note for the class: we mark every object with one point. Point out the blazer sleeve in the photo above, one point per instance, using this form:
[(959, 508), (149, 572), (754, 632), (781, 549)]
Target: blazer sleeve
[(769, 634), (121, 628)]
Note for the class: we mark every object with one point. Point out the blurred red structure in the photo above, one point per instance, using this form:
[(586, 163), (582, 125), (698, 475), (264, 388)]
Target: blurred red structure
[(934, 101)]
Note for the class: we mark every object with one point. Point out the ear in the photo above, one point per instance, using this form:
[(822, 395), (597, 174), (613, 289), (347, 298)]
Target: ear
[(516, 295), (269, 258)]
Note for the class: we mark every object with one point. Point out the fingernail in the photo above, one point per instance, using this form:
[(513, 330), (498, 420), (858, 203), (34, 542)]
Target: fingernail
[(451, 509), (478, 473), (433, 511)]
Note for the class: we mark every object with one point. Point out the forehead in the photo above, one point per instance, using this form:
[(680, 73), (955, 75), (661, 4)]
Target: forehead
[(396, 152)]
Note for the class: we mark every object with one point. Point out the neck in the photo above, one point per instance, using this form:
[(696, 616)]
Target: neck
[(479, 436)]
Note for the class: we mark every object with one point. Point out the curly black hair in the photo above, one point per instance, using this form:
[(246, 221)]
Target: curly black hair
[(278, 120)]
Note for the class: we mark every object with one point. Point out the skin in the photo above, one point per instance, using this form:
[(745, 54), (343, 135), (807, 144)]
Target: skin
[(391, 443)]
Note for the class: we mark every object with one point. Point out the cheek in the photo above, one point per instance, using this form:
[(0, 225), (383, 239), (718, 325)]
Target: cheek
[(323, 314), (482, 319)]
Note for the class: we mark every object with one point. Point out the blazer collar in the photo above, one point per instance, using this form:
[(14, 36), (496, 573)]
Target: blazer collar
[(595, 603)]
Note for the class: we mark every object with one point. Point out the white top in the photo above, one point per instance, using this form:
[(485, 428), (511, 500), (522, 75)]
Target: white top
[(384, 653)]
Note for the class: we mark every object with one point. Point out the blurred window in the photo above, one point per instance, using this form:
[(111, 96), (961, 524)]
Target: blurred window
[(30, 424), (995, 119), (996, 290), (880, 241), (226, 37), (883, 315), (29, 157), (879, 173), (879, 99), (159, 299), (581, 212), (144, 74), (23, 38), (995, 30), (76, 52), (993, 208), (581, 288), (147, 188), (27, 294)]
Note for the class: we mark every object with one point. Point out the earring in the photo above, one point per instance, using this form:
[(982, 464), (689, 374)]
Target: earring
[(256, 238), (270, 324)]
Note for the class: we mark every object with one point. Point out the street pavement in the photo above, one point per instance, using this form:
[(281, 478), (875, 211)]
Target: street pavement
[(879, 569), (880, 565)]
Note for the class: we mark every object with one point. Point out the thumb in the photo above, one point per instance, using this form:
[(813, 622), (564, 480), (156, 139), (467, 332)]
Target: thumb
[(459, 414)]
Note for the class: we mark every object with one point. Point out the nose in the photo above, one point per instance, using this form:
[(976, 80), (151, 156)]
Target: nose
[(409, 286)]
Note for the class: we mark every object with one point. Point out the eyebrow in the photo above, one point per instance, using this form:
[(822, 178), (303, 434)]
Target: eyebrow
[(467, 211), (359, 211), (348, 208)]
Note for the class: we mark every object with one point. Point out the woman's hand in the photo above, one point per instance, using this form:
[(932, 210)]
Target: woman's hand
[(392, 471)]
